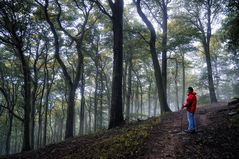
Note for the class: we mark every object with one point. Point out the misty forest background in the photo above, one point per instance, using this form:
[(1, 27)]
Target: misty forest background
[(74, 67)]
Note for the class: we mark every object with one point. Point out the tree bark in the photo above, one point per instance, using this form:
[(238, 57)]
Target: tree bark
[(46, 107), (149, 98), (82, 105), (34, 95), (96, 92), (213, 97), (124, 86), (164, 44), (183, 82), (141, 101), (176, 84), (9, 132), (101, 98), (27, 101), (156, 103), (136, 102), (39, 133), (116, 112), (90, 105)]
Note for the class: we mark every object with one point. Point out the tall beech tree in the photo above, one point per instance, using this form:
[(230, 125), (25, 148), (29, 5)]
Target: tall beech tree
[(202, 14), (159, 11), (116, 110), (157, 69)]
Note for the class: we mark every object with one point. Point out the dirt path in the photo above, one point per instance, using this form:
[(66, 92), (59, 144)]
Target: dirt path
[(168, 141)]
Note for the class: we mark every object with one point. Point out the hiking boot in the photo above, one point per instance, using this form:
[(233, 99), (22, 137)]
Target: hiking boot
[(190, 131), (186, 131)]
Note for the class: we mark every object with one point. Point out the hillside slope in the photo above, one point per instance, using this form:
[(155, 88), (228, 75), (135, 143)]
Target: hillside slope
[(217, 137)]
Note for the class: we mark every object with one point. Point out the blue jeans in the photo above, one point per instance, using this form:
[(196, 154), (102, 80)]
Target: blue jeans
[(191, 121)]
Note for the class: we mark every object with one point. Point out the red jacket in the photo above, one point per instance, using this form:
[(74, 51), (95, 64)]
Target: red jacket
[(191, 102)]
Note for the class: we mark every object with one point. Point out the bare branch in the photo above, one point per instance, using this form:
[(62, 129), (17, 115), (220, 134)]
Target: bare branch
[(14, 114), (102, 8), (154, 16), (59, 21)]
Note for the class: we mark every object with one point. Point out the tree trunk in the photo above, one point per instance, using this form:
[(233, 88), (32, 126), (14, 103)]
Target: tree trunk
[(39, 134), (164, 45), (16, 141), (137, 100), (176, 84), (149, 98), (34, 94), (51, 134), (70, 113), (127, 117), (116, 112), (48, 90), (209, 73), (9, 132), (156, 103), (96, 92), (90, 105), (101, 99), (132, 102), (141, 100), (183, 82), (82, 105), (124, 85), (62, 120), (157, 70), (27, 101), (217, 78), (46, 107)]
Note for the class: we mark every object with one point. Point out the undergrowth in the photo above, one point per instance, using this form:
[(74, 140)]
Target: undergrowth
[(125, 144)]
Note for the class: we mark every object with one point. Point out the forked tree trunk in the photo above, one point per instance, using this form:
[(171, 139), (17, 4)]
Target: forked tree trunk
[(157, 69)]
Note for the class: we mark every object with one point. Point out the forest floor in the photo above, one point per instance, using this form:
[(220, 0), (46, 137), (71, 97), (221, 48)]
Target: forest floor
[(217, 136)]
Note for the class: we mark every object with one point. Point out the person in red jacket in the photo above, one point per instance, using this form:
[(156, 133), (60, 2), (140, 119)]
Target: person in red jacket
[(191, 104)]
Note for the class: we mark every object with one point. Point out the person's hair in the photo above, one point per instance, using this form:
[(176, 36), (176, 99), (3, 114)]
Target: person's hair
[(190, 88)]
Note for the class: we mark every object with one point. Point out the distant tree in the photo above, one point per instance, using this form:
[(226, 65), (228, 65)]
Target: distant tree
[(230, 34), (231, 24), (9, 87), (202, 14)]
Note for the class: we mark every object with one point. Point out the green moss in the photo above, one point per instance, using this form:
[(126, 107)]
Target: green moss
[(125, 144)]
